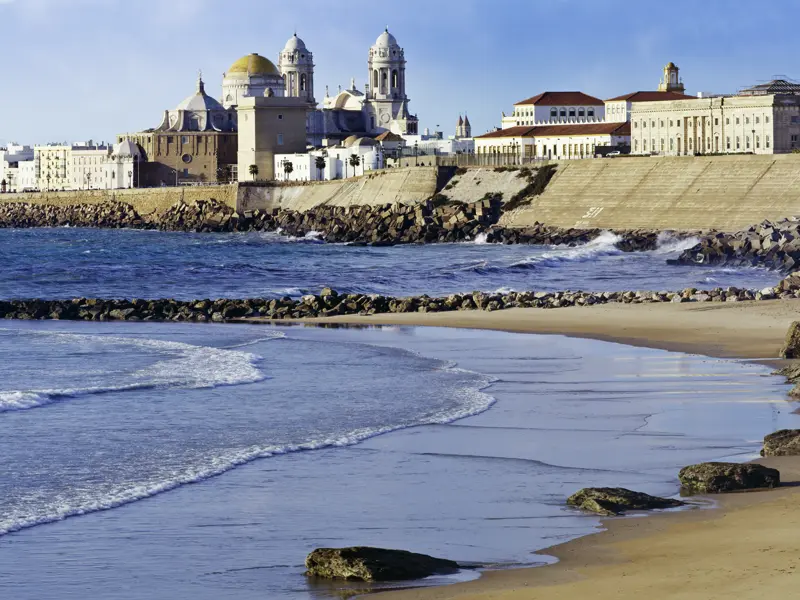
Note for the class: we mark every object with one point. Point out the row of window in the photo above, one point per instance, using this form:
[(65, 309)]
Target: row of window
[(559, 112), (672, 123), (675, 143)]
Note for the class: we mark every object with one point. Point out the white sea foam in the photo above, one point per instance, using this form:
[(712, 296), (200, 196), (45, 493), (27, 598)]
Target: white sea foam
[(603, 245), (475, 401), (667, 243), (480, 239), (183, 366)]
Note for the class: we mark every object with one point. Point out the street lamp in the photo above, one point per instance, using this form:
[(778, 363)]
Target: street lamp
[(754, 141), (130, 179), (416, 153)]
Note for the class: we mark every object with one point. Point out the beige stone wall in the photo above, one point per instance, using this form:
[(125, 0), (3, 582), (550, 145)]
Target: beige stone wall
[(722, 192), (401, 186), (474, 184), (145, 200)]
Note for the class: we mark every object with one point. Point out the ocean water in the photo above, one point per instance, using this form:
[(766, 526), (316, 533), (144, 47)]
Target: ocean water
[(163, 461), (66, 263)]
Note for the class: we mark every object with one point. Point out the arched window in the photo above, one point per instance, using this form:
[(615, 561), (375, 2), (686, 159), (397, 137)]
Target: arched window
[(303, 82), (553, 113), (562, 112), (571, 112), (581, 112), (384, 81), (590, 112), (375, 80), (395, 79)]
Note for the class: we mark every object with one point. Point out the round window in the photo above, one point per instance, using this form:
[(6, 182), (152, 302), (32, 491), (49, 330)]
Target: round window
[(187, 158)]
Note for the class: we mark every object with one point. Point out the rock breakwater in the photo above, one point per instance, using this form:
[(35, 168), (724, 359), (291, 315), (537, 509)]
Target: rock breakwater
[(437, 221), (331, 303), (775, 245)]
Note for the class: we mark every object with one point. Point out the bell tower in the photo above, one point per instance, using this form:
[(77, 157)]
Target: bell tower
[(671, 81), (296, 64)]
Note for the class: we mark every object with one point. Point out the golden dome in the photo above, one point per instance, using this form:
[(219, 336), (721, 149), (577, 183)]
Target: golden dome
[(254, 64)]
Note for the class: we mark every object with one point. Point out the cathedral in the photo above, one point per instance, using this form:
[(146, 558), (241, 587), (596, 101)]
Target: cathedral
[(382, 106)]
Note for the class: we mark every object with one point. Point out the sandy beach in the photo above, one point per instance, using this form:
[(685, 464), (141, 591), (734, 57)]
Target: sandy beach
[(745, 548)]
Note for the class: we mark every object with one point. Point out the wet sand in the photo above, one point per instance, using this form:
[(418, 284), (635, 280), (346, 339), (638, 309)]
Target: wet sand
[(746, 548)]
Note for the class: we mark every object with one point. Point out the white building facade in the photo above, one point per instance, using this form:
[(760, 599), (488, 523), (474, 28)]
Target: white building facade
[(354, 158), (11, 157), (768, 124), (86, 167), (552, 142), (549, 108)]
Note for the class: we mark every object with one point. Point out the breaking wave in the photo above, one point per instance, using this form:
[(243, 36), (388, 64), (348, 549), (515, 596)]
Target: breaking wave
[(180, 366)]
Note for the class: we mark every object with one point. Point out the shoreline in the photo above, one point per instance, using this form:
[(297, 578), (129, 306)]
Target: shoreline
[(723, 551)]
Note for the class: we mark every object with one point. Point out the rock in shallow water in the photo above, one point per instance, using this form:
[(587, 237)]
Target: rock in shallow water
[(615, 501), (718, 477), (375, 564), (785, 442)]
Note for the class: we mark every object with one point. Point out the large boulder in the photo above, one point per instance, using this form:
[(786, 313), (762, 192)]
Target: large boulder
[(718, 477), (791, 347), (615, 501), (785, 442), (375, 564)]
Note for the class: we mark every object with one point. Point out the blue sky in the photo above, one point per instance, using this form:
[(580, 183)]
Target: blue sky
[(80, 69)]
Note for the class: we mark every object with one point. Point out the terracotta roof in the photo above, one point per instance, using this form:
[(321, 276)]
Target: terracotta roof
[(651, 97), (388, 136), (563, 99), (561, 130)]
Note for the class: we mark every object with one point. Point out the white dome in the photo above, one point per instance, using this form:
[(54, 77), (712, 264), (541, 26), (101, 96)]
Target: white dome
[(294, 43), (386, 40), (126, 148)]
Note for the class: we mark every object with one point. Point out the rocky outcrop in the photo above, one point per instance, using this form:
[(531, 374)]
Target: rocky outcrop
[(375, 564), (615, 501), (785, 442), (775, 245), (718, 477), (791, 347), (331, 303)]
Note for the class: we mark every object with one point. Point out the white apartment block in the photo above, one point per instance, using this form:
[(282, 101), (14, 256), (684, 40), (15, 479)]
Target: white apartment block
[(87, 169)]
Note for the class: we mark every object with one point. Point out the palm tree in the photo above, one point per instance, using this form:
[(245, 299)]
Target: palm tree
[(253, 170), (354, 161), (288, 167), (320, 164)]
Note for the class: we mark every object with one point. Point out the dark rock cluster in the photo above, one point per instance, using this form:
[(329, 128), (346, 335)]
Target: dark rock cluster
[(112, 215), (386, 224), (615, 501), (363, 563), (721, 477), (785, 442), (773, 245)]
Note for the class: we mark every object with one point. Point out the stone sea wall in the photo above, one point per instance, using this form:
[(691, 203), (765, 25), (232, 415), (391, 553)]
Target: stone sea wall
[(145, 201), (726, 193)]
